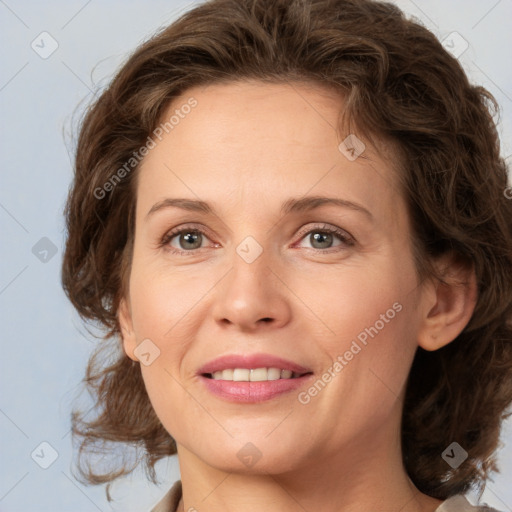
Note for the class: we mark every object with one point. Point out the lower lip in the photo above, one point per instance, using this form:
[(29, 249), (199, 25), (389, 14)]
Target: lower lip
[(251, 392)]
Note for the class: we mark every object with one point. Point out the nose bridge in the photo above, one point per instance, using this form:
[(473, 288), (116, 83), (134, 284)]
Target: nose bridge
[(251, 266), (251, 269)]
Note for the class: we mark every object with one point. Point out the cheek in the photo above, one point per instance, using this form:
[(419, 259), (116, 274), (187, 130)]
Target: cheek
[(372, 326), (162, 299), (173, 405), (357, 303)]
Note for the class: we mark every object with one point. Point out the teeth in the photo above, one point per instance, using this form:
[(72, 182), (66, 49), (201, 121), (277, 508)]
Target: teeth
[(253, 375), (241, 374), (273, 373), (258, 374), (227, 374), (286, 374)]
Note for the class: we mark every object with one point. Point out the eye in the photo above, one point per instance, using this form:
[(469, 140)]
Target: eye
[(323, 237), (184, 240), (187, 240)]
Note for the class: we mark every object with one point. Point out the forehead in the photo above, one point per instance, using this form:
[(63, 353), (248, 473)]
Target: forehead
[(231, 113), (242, 139)]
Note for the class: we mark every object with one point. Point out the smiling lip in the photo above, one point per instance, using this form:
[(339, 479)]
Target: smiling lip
[(251, 392), (251, 361)]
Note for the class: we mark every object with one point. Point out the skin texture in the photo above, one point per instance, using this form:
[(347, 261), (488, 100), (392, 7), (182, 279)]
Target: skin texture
[(246, 148)]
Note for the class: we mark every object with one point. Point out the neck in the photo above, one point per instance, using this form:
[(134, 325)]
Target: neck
[(366, 476)]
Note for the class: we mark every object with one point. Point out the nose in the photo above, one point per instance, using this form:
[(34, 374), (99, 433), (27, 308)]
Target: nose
[(252, 296)]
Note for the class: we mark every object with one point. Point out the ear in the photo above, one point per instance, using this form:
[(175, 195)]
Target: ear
[(127, 332), (448, 305)]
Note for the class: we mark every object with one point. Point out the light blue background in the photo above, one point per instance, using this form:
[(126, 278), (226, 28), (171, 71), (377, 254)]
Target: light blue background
[(44, 347)]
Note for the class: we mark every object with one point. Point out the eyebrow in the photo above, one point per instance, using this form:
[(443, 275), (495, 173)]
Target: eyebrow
[(293, 205)]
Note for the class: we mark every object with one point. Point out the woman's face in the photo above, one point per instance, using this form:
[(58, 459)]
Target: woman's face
[(325, 289)]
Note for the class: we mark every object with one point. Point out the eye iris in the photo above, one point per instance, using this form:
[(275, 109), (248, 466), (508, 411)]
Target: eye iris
[(191, 237), (322, 238)]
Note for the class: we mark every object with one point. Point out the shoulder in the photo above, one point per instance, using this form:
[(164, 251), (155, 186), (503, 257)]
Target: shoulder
[(169, 503), (459, 503)]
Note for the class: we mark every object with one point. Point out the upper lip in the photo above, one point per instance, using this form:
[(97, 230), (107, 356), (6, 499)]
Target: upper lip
[(251, 361)]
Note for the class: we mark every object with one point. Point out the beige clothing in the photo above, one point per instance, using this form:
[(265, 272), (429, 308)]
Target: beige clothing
[(459, 503), (169, 503)]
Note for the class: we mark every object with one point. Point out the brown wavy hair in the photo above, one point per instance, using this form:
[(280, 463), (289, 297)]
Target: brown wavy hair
[(399, 84)]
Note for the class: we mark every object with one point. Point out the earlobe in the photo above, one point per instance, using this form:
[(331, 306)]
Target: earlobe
[(449, 306), (127, 332)]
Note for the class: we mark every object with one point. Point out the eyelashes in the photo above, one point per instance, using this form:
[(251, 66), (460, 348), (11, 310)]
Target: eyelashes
[(166, 240), (195, 235), (346, 239)]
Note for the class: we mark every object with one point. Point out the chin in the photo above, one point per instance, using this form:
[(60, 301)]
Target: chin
[(259, 456)]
